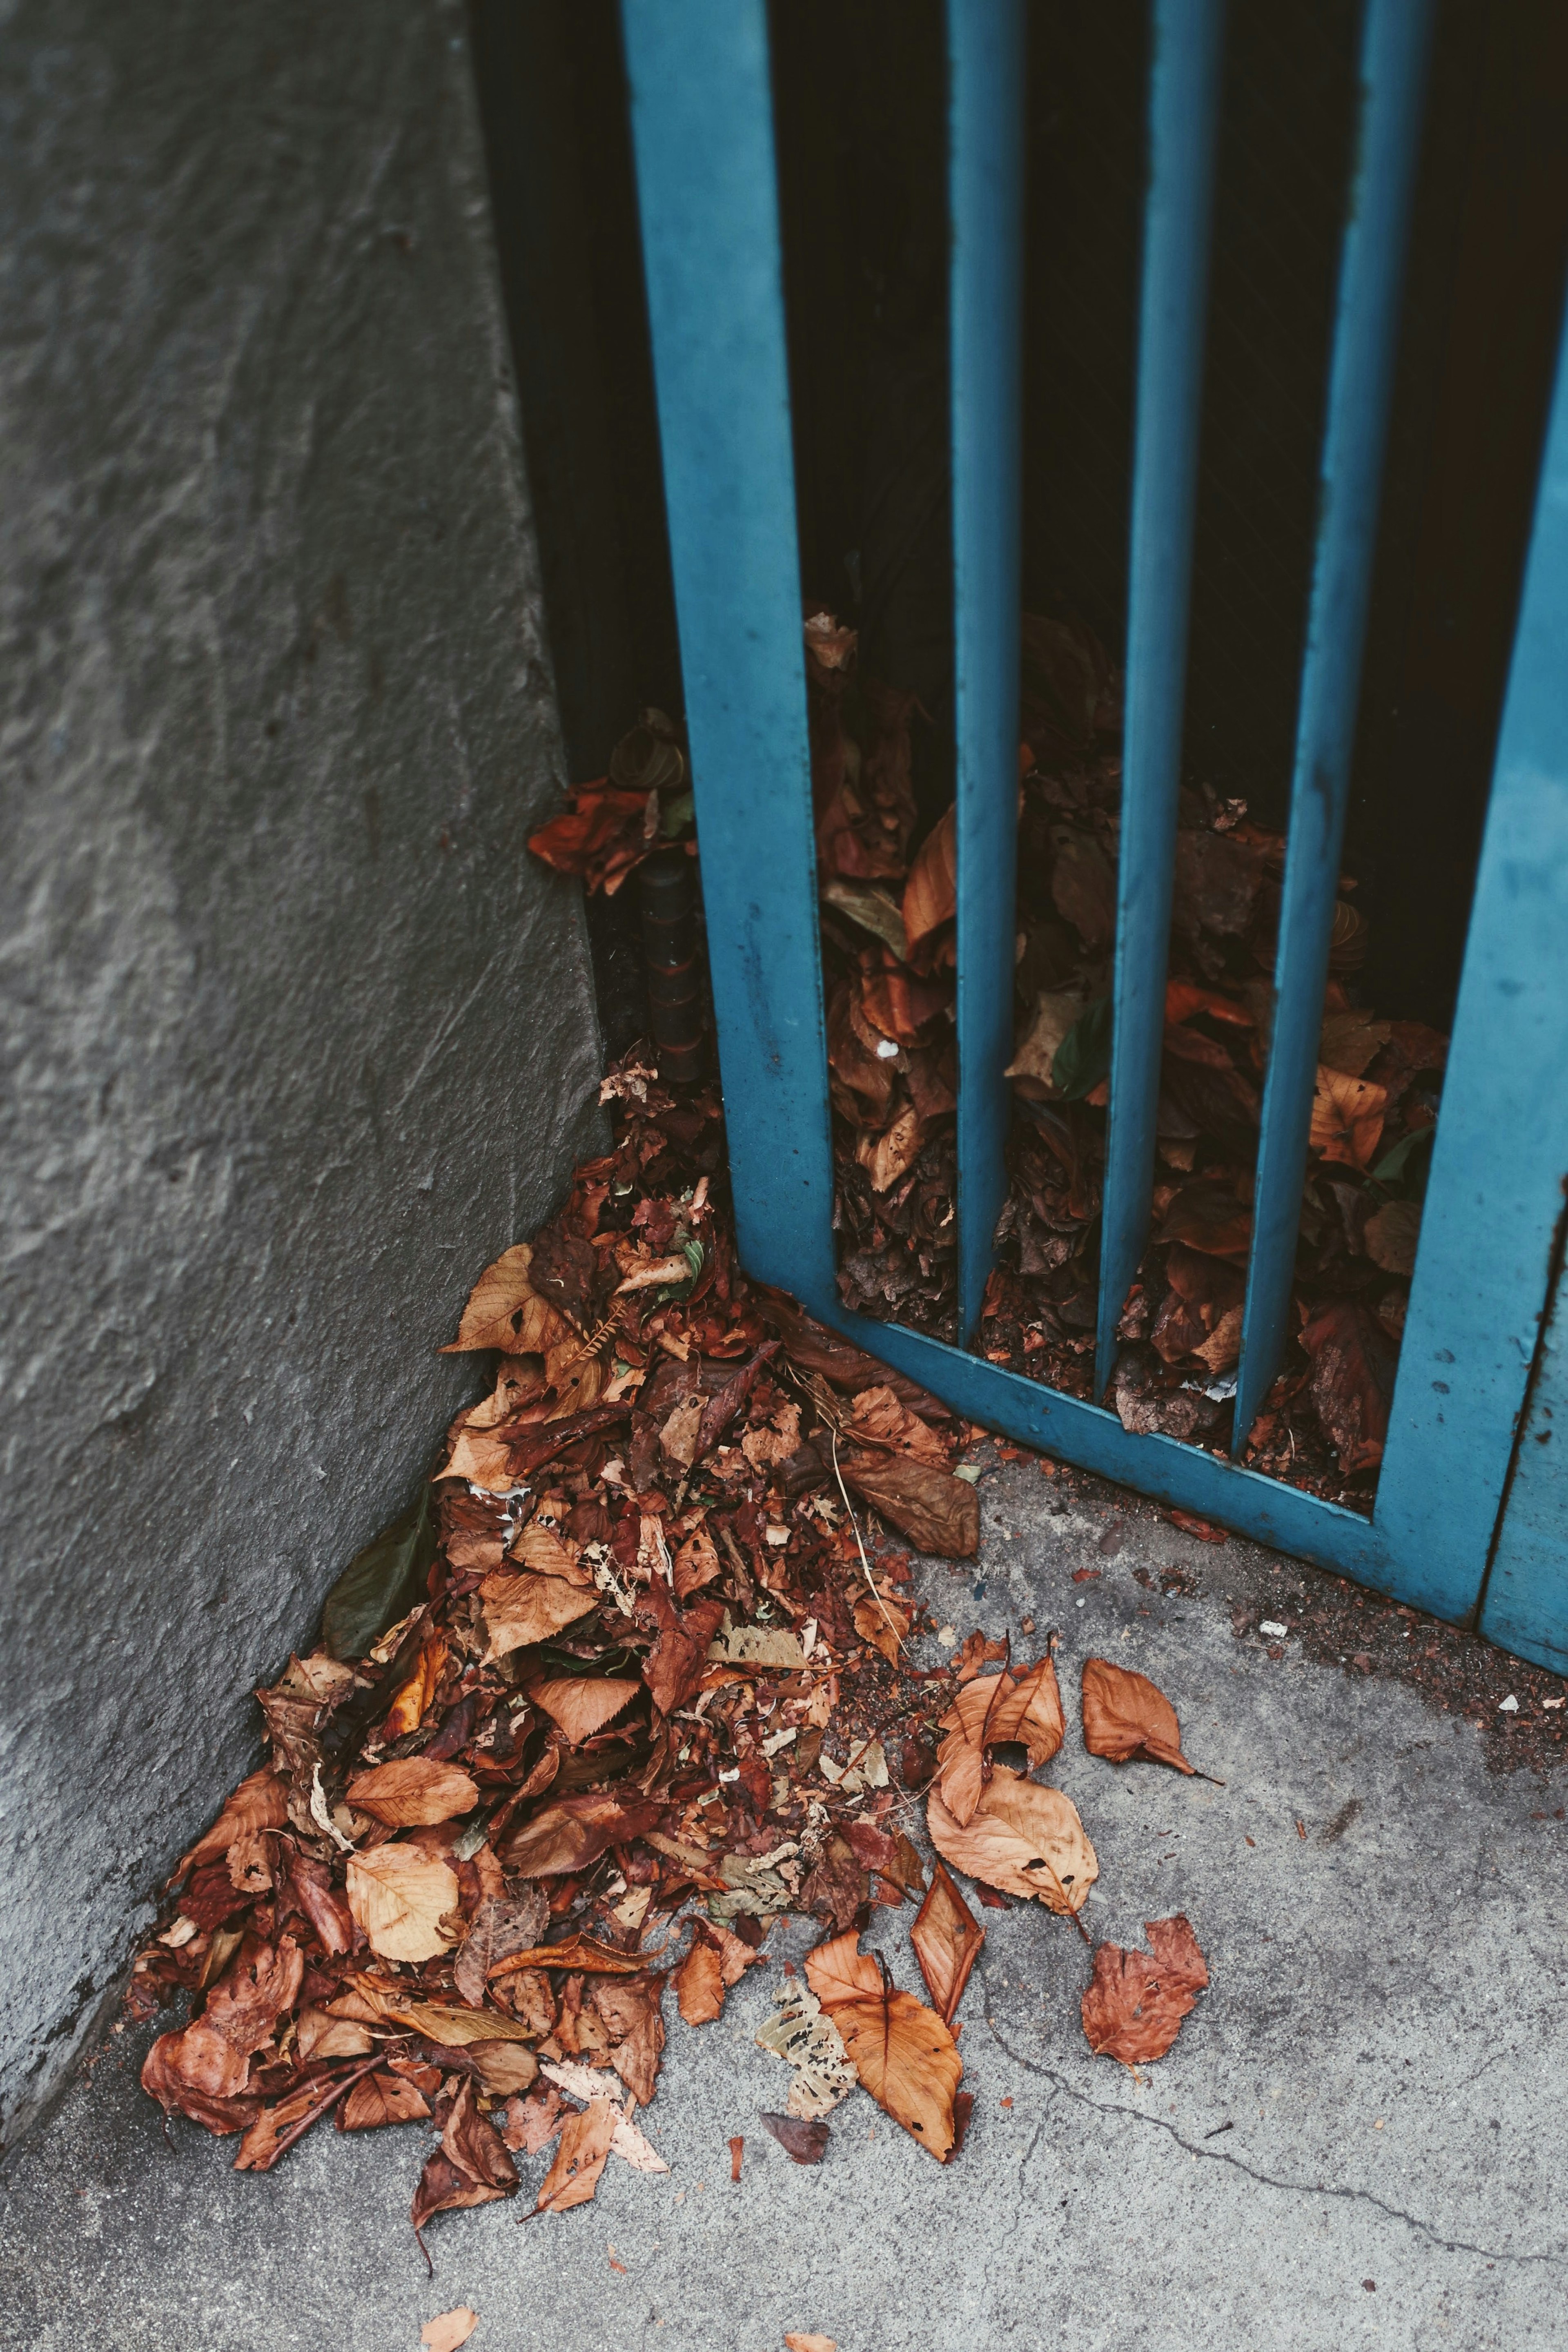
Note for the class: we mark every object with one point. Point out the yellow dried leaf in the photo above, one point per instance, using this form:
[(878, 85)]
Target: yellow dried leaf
[(400, 1894)]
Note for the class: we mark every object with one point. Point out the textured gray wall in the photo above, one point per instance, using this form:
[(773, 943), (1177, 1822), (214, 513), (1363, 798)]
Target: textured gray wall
[(294, 1039)]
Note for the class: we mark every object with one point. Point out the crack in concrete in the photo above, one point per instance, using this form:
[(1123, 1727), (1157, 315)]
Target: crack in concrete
[(1265, 2180)]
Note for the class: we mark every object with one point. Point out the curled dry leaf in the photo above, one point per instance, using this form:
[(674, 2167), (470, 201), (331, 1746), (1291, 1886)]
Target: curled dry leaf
[(545, 1553), (260, 1803), (699, 1981), (938, 1512), (1126, 1715), (946, 1937), (579, 2159), (1023, 1706), (413, 1793), (805, 2141), (883, 1624), (931, 893), (504, 1311), (584, 1955), (1135, 2003), (381, 2099), (1352, 1379), (626, 2142), (799, 2342), (208, 2063), (632, 2011), (400, 1894), (471, 2167), (583, 1704), (448, 2329), (570, 1834), (318, 2036), (504, 2067), (1021, 1839)]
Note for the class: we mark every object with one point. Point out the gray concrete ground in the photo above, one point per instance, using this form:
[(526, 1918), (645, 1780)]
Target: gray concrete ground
[(1357, 2139)]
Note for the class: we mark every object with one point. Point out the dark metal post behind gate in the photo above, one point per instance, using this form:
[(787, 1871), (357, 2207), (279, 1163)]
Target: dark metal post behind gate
[(703, 131)]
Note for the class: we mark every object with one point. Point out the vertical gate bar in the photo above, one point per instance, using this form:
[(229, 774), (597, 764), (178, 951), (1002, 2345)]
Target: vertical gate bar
[(1184, 116), (702, 134), (985, 47), (1395, 41), (1499, 1161)]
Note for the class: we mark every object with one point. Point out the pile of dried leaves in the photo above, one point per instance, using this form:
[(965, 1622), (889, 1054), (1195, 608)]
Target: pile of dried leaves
[(887, 902), (627, 1685)]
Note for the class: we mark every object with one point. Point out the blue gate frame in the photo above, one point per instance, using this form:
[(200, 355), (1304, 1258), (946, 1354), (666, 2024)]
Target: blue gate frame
[(702, 134)]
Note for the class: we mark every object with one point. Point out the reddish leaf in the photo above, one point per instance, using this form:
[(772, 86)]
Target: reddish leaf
[(1134, 2007), (806, 2141), (207, 2064), (1353, 1381)]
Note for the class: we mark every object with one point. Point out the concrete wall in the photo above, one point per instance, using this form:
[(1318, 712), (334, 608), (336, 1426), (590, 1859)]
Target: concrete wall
[(294, 1038)]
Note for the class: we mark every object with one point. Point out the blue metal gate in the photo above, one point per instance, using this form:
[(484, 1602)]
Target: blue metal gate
[(704, 142)]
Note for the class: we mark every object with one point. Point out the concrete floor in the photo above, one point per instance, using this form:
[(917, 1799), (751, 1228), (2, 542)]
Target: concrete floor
[(1357, 2139)]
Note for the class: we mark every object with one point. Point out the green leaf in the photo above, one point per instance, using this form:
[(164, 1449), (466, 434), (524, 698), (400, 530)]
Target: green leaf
[(382, 1583), (1083, 1057), (872, 909), (1405, 1166), (676, 813)]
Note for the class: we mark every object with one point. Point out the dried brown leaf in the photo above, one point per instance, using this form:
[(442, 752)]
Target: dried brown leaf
[(574, 2175), (1347, 1117), (400, 1894), (946, 1937), (1125, 1715), (1023, 1707), (523, 1610), (502, 1925), (570, 1834), (583, 1704), (837, 1971), (448, 2329), (382, 2098), (1021, 1839), (504, 1311), (907, 2060), (208, 2061), (413, 1793), (806, 2141), (260, 1803), (940, 1514), (1135, 2003)]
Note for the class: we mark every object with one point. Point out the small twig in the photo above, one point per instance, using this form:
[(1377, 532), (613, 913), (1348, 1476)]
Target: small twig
[(323, 2106), (871, 1580)]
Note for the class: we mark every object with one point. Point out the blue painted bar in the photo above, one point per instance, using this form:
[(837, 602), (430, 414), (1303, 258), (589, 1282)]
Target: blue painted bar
[(1173, 1473), (985, 53), (1184, 116), (703, 131), (1499, 1163), (1394, 43), (1526, 1606)]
